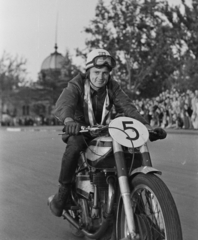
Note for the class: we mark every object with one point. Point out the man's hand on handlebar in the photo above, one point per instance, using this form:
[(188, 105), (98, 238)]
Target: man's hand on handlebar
[(72, 128), (156, 134)]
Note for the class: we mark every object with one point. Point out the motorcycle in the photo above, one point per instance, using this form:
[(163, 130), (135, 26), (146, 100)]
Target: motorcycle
[(116, 192)]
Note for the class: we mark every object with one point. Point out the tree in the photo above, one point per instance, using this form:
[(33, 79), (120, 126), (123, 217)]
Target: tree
[(12, 72), (12, 76), (185, 24), (145, 40)]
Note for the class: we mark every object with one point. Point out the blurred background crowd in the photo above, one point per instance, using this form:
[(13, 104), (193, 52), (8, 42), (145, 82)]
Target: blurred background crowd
[(8, 120), (171, 109)]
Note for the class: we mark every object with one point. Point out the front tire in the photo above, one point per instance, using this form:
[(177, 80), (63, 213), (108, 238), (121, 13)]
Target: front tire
[(156, 215)]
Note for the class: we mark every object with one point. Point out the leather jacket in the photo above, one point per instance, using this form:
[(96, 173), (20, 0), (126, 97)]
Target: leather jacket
[(70, 102)]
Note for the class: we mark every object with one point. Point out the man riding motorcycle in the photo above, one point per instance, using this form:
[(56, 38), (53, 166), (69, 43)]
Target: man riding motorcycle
[(87, 101)]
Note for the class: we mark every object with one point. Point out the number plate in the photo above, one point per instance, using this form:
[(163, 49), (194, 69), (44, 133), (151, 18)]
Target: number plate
[(128, 132)]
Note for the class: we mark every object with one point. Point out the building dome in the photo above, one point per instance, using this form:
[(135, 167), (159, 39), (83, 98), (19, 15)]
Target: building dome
[(53, 62)]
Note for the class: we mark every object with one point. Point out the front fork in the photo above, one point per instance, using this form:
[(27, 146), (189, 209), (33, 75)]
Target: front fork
[(124, 188)]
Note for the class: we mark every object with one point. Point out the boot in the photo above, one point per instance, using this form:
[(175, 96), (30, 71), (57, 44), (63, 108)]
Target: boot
[(57, 202)]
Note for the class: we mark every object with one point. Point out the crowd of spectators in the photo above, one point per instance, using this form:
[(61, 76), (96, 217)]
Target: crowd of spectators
[(28, 121), (171, 109)]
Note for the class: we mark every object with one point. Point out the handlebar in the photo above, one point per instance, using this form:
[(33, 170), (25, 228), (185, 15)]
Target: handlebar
[(101, 128), (93, 128)]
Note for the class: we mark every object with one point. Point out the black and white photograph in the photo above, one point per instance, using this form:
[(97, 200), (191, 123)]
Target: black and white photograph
[(99, 119)]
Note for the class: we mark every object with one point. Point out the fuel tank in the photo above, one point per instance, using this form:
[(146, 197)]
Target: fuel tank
[(99, 154)]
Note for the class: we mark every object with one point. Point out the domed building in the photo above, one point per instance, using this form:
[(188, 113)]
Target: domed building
[(53, 62), (49, 78), (34, 104)]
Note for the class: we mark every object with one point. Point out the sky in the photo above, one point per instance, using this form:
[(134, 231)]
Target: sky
[(30, 28)]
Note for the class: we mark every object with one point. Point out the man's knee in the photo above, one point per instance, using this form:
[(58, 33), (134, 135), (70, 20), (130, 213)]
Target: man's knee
[(76, 142)]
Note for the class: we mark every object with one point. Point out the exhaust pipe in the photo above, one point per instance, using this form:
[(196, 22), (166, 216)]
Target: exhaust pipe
[(105, 223), (95, 235)]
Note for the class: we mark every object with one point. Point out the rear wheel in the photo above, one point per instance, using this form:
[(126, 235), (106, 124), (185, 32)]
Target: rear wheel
[(155, 211)]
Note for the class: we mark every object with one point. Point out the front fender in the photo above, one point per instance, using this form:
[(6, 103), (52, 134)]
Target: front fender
[(145, 170)]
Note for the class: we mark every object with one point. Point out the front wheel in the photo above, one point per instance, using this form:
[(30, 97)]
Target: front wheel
[(156, 216)]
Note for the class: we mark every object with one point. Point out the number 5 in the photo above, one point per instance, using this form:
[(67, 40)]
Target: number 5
[(125, 127)]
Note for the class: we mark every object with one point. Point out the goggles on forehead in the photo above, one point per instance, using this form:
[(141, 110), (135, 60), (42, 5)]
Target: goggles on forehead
[(102, 61)]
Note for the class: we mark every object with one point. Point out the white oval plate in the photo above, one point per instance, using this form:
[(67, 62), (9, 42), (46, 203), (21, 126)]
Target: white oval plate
[(126, 130)]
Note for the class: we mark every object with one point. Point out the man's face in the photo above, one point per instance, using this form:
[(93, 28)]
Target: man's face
[(99, 77)]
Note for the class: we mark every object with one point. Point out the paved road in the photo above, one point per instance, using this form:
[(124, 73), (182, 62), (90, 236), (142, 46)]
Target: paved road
[(177, 157), (29, 168)]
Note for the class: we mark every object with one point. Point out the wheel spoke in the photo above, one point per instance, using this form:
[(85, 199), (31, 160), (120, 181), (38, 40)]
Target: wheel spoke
[(146, 203)]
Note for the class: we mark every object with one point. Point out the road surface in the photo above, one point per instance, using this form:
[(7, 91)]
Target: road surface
[(29, 168)]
